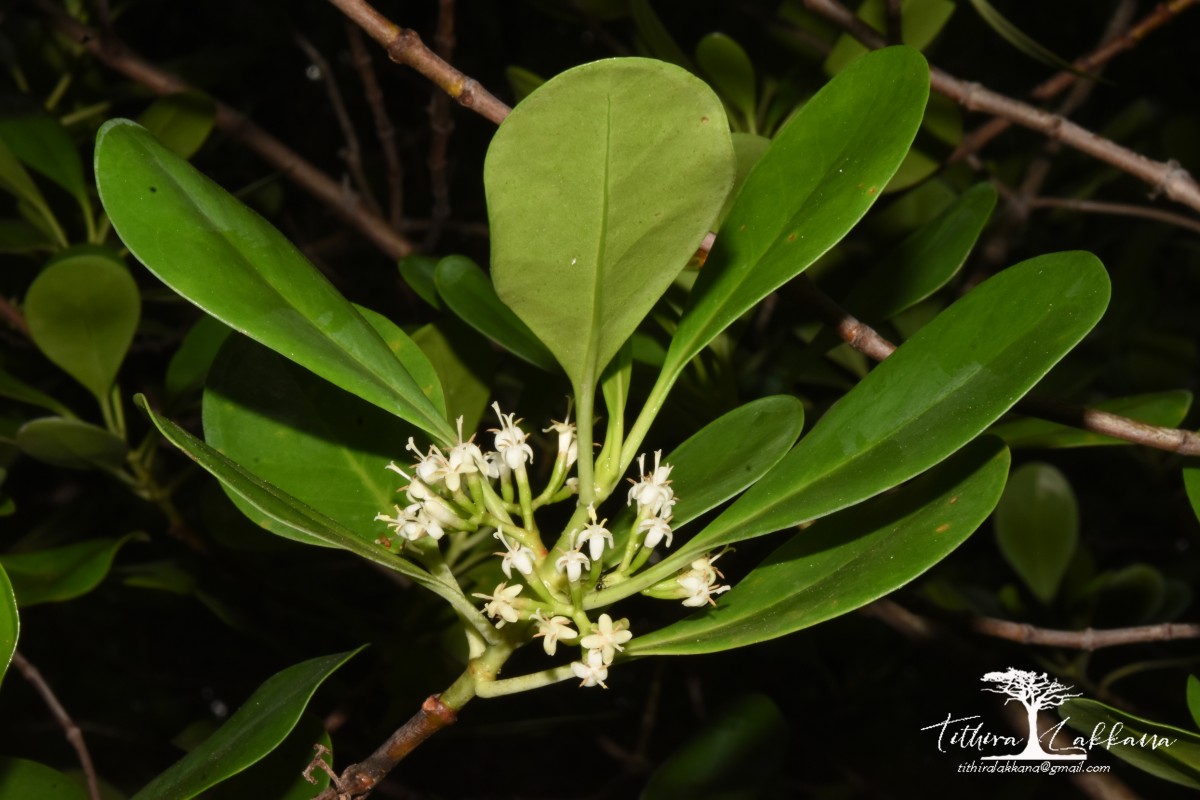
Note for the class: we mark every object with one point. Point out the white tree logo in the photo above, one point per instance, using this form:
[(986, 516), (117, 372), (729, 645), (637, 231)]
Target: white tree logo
[(1036, 693)]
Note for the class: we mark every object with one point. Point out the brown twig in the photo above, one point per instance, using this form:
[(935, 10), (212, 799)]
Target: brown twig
[(867, 341), (384, 129), (895, 32), (1164, 178), (119, 57), (72, 731), (1117, 209), (441, 125), (404, 46), (1161, 15), (352, 154), (358, 780), (1087, 639)]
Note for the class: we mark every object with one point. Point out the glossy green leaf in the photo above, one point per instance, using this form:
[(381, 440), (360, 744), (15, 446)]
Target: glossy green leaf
[(464, 368), (939, 390), (17, 181), (1037, 527), (469, 293), (249, 735), (731, 453), (848, 560), (26, 780), (821, 174), (733, 756), (181, 121), (728, 67), (62, 573), (925, 261), (303, 435), (300, 521), (71, 443), (229, 261), (748, 148), (920, 23), (280, 776), (1166, 409), (19, 236), (600, 187), (16, 389), (1193, 699), (41, 143), (10, 626), (410, 356), (417, 272), (188, 368), (1132, 739), (82, 312)]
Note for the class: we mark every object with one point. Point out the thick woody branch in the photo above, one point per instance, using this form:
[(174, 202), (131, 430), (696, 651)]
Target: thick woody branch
[(1087, 639), (72, 731), (119, 57), (867, 341), (404, 46), (1164, 178), (359, 780)]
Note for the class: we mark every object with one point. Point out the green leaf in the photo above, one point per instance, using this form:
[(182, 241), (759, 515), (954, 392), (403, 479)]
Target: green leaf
[(280, 776), (728, 67), (82, 312), (21, 779), (229, 261), (925, 261), (1022, 41), (469, 293), (464, 368), (62, 573), (188, 368), (848, 560), (1037, 527), (72, 444), (822, 172), (417, 272), (41, 143), (249, 735), (1132, 739), (1193, 699), (920, 23), (10, 628), (16, 389), (410, 356), (181, 121), (15, 180), (1191, 484), (19, 236), (600, 187), (303, 435), (939, 390), (301, 522), (735, 754), (748, 149), (1166, 409)]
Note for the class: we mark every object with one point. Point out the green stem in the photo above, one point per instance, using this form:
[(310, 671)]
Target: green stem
[(524, 683), (526, 496), (585, 401), (654, 403)]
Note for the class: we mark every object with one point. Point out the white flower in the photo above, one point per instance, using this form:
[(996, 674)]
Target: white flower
[(607, 638), (654, 490), (573, 562), (699, 590), (591, 672), (515, 555), (510, 440), (568, 441), (465, 457), (413, 523), (656, 528), (553, 629), (700, 582), (594, 535), (500, 603), (430, 468)]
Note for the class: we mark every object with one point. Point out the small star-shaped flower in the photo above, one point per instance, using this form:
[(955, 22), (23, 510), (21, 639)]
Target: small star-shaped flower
[(607, 638), (552, 629)]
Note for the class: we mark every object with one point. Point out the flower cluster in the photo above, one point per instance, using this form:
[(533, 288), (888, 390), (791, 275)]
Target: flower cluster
[(464, 490)]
